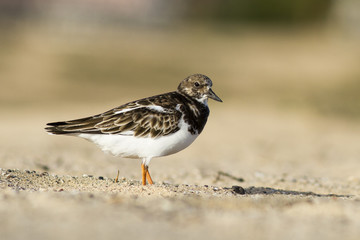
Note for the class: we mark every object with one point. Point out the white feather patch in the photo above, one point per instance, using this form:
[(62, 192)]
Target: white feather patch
[(143, 147), (126, 110), (151, 107)]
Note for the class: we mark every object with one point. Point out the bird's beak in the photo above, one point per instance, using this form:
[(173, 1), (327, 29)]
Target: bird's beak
[(212, 95)]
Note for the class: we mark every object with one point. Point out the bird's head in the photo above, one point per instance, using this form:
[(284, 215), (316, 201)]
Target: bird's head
[(198, 86)]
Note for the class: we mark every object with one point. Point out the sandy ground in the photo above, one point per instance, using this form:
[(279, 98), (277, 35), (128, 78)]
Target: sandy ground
[(279, 175)]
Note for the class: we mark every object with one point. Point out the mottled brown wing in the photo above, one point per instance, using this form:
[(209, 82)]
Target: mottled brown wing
[(139, 121)]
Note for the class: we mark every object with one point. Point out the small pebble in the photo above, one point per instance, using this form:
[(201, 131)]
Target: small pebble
[(238, 190), (101, 178)]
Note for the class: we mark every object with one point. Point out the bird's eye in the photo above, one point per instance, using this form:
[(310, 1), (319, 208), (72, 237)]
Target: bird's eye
[(197, 84)]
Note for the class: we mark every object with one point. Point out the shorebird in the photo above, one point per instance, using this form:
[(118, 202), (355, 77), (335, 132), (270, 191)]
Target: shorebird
[(150, 127)]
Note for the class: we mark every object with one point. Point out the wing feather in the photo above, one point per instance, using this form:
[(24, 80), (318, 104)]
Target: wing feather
[(140, 121)]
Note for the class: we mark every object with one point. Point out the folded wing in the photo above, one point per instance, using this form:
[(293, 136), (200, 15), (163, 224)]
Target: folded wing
[(134, 120)]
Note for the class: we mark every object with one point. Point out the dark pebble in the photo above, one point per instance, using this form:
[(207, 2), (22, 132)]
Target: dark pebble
[(101, 178), (238, 190)]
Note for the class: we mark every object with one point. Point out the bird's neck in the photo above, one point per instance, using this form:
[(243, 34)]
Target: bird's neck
[(195, 114)]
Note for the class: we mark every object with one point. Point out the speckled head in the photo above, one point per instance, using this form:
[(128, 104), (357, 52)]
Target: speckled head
[(198, 86)]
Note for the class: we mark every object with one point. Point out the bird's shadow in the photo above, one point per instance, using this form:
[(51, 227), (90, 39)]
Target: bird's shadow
[(269, 191), (273, 191)]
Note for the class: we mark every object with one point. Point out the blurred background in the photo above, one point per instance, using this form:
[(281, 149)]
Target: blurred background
[(291, 54), (268, 60)]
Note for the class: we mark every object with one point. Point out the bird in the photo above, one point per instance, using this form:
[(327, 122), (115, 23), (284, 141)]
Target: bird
[(150, 127)]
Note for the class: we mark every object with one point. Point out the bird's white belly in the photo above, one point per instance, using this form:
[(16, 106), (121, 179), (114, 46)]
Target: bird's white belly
[(138, 147)]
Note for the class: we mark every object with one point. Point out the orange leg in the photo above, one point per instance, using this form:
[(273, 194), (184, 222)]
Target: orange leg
[(148, 177), (145, 174)]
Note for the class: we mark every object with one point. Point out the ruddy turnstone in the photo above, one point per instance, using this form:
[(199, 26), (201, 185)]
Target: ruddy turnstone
[(151, 127)]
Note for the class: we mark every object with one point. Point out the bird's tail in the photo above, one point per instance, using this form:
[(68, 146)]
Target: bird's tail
[(83, 125), (56, 128)]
